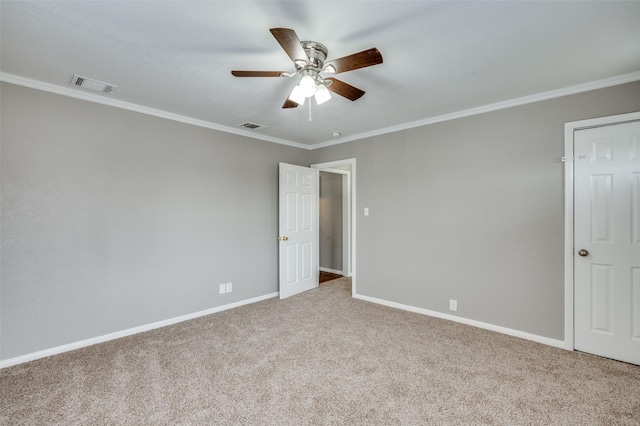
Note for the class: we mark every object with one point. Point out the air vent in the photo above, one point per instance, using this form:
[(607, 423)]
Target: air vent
[(91, 84), (251, 126)]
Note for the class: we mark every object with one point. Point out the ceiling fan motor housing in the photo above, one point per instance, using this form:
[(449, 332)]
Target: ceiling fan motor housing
[(317, 54)]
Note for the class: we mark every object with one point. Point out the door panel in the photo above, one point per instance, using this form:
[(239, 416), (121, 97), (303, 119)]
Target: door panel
[(298, 229), (307, 261), (601, 200), (635, 303), (635, 207), (601, 298), (606, 218)]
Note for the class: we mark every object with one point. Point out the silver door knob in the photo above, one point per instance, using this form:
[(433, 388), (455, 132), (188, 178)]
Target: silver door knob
[(583, 252)]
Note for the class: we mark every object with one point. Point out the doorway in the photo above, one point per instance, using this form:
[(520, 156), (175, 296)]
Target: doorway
[(342, 174), (334, 221), (602, 244)]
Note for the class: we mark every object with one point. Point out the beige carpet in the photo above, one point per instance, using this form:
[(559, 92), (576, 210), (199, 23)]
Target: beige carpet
[(320, 357)]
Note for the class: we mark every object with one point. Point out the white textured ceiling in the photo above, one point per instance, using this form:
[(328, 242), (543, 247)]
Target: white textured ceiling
[(439, 57)]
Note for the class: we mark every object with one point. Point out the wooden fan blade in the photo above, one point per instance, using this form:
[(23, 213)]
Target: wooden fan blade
[(257, 73), (366, 58), (290, 43), (289, 104), (343, 89)]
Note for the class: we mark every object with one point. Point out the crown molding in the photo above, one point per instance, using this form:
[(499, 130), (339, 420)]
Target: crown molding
[(74, 93), (102, 99), (571, 90)]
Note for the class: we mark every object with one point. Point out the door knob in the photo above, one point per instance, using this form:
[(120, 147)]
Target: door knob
[(283, 238), (583, 252)]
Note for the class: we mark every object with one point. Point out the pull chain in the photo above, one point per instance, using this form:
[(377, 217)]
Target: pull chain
[(309, 110)]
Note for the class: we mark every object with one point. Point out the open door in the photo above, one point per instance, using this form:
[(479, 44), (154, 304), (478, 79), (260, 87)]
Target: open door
[(298, 229)]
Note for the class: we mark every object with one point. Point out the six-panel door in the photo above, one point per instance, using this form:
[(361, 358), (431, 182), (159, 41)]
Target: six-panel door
[(298, 229), (607, 241)]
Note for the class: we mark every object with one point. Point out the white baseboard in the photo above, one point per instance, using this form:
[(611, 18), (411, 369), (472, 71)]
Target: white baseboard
[(140, 329), (331, 271), (504, 330), (135, 330)]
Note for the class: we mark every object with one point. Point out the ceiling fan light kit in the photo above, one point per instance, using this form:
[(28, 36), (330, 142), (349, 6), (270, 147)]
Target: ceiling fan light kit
[(322, 94), (296, 96), (309, 60), (307, 86), (310, 86)]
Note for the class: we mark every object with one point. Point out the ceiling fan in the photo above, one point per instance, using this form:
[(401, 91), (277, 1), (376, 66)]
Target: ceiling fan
[(309, 60)]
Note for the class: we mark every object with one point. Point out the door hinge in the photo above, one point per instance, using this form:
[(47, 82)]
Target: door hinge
[(567, 159)]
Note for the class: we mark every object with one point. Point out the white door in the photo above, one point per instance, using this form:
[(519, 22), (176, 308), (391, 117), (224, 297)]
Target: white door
[(607, 241), (298, 229)]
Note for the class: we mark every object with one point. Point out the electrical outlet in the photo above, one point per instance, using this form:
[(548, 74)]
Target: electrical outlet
[(223, 288), (453, 305), (229, 287)]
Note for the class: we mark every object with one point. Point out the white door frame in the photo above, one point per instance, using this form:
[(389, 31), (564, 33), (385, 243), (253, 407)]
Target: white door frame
[(569, 130), (331, 165)]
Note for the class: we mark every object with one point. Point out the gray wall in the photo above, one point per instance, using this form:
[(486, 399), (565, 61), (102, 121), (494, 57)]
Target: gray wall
[(330, 221), (113, 219), (472, 209)]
